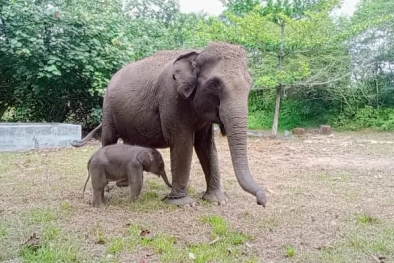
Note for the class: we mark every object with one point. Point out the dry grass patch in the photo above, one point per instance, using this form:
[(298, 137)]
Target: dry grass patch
[(330, 199)]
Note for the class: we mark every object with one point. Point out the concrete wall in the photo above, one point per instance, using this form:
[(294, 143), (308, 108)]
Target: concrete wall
[(27, 136)]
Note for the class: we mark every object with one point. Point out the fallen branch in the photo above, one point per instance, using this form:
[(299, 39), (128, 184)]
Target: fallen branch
[(378, 259), (214, 241)]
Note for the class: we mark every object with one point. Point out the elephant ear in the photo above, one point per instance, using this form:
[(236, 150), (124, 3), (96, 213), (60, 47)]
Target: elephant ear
[(145, 158), (185, 73)]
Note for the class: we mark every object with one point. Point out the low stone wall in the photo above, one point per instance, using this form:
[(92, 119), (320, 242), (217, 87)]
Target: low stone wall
[(28, 136)]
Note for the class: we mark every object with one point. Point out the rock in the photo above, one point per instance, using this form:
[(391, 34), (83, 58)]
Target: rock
[(286, 133)]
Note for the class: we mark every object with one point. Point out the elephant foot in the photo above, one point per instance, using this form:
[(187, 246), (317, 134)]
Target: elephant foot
[(185, 201), (98, 204), (216, 197)]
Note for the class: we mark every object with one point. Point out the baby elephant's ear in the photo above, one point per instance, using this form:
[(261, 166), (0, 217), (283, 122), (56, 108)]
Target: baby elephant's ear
[(146, 158)]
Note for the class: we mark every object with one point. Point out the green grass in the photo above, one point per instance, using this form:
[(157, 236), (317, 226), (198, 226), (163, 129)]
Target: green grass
[(53, 245), (366, 219), (149, 199), (51, 232), (227, 246), (360, 242), (3, 231), (70, 230), (290, 251), (375, 240), (41, 215), (116, 245), (218, 224), (49, 253), (297, 190), (99, 234)]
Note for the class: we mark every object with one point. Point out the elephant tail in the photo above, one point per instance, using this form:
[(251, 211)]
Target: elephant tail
[(87, 180), (80, 143), (84, 187)]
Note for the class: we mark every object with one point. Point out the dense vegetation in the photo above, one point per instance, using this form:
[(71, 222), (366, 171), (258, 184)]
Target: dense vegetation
[(309, 67)]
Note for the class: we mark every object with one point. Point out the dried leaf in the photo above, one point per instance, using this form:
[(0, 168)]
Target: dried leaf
[(327, 245), (144, 232), (33, 242)]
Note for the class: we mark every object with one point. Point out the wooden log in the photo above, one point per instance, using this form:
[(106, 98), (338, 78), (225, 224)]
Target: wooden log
[(299, 131)]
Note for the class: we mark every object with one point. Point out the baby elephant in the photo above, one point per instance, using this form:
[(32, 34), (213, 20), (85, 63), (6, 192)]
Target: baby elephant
[(120, 161)]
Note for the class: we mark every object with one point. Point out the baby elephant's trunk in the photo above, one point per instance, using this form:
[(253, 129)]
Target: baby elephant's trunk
[(165, 178)]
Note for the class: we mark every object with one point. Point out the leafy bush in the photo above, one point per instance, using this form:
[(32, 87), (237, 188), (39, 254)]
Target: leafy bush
[(366, 117), (294, 112)]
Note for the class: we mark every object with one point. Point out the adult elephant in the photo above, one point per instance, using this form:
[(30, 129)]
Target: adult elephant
[(171, 99)]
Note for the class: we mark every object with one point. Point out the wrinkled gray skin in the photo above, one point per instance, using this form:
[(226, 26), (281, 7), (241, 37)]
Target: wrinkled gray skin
[(122, 161), (171, 99)]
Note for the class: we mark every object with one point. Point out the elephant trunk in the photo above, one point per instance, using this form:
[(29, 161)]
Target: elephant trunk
[(165, 178), (234, 117)]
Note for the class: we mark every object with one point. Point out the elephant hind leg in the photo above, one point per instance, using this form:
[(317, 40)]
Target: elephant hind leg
[(109, 134)]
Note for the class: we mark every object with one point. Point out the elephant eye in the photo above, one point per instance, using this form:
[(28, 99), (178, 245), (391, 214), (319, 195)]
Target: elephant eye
[(215, 85)]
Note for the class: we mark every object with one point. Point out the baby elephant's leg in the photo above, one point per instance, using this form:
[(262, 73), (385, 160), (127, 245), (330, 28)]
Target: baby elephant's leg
[(135, 182), (124, 182), (99, 181)]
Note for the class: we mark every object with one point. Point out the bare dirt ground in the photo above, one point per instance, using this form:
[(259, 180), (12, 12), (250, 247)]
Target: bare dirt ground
[(330, 199)]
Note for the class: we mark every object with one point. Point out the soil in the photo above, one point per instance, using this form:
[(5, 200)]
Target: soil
[(317, 186)]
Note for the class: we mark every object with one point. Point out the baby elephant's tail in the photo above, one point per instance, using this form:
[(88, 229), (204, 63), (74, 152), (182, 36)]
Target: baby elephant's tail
[(84, 187)]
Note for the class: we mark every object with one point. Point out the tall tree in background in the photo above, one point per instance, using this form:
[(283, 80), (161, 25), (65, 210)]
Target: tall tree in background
[(298, 46), (375, 79)]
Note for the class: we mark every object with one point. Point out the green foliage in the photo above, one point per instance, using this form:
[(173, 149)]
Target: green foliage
[(295, 112), (366, 117), (58, 56), (59, 59)]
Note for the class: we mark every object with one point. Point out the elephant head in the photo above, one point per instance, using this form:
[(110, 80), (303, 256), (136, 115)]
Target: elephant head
[(217, 81), (153, 162)]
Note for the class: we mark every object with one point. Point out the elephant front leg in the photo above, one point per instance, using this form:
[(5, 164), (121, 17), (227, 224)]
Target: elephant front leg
[(181, 157), (206, 152), (135, 178)]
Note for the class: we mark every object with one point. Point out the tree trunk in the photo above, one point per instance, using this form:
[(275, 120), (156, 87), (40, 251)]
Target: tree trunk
[(275, 122), (3, 109), (279, 88)]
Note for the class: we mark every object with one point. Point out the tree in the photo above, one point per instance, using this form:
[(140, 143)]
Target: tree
[(57, 58), (294, 46), (375, 79)]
